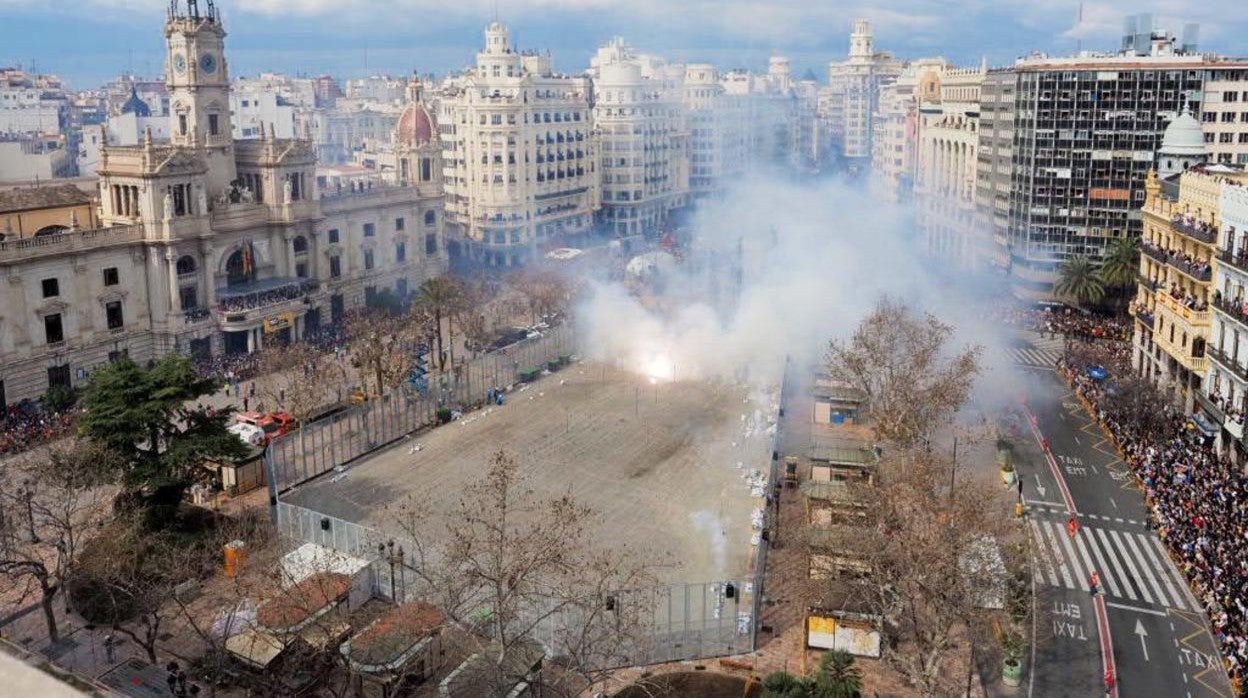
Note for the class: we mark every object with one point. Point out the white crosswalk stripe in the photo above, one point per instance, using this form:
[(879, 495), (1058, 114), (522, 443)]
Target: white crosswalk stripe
[(1038, 358), (1131, 566)]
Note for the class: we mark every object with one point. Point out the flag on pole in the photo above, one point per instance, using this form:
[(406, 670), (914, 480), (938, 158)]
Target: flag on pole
[(248, 259)]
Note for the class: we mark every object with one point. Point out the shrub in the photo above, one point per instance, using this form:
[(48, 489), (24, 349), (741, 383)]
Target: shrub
[(60, 398)]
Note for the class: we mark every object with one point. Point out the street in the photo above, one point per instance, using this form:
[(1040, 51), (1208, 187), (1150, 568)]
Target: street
[(1145, 624)]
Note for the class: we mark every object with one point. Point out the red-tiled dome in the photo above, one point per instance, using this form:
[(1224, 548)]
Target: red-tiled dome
[(415, 126)]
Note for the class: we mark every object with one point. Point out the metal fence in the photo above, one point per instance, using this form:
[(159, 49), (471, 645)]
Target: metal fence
[(679, 621), (325, 444)]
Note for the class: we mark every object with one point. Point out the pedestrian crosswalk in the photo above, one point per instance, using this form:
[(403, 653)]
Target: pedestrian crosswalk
[(1030, 357), (1132, 566)]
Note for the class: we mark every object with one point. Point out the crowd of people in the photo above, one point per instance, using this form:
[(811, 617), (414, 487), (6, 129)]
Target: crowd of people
[(1068, 322), (28, 424), (290, 292), (1198, 501), (1191, 264), (1187, 299)]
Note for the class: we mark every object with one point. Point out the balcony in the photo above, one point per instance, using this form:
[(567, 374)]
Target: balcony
[(1227, 362), (1211, 404), (1238, 260), (65, 243), (1189, 315), (250, 302), (1155, 252), (1233, 308), (1194, 229), (1148, 284), (1198, 271), (1146, 318)]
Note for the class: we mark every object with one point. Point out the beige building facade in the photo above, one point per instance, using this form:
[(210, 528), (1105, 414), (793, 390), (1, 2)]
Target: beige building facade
[(209, 245)]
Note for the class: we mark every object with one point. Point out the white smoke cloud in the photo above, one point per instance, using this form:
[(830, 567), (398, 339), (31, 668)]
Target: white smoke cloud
[(817, 257)]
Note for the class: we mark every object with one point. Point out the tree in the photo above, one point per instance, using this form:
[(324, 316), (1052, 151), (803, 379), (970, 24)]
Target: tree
[(1079, 280), (546, 292), (439, 297), (512, 563), (300, 379), (926, 543), (1121, 263), (62, 503), (379, 349), (147, 418), (780, 684), (899, 360)]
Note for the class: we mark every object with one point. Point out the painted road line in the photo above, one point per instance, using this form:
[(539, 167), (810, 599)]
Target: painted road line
[(1173, 572), (1044, 562), (1054, 549), (1135, 574), (1048, 456), (1105, 569), (1137, 609), (1107, 645), (1083, 576), (1108, 548), (1147, 568), (1163, 566)]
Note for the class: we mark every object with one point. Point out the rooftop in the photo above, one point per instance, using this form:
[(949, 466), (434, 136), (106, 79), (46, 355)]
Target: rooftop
[(302, 603), (390, 636), (35, 198)]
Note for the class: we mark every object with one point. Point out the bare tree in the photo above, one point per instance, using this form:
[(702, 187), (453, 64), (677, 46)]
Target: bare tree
[(927, 549), (545, 291), (900, 360), (439, 297), (300, 378), (61, 502), (378, 347), (532, 563)]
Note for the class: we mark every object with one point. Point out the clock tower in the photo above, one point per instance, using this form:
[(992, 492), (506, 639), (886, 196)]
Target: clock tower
[(197, 76)]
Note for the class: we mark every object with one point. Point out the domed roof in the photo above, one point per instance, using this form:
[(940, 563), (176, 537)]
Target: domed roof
[(1183, 136), (416, 126), (136, 106)]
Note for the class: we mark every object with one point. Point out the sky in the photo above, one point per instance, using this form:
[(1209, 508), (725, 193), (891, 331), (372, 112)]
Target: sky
[(89, 41)]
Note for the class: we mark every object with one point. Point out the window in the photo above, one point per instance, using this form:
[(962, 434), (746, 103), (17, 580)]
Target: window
[(186, 265), (368, 259), (335, 267), (214, 124), (111, 278), (190, 300), (399, 224), (431, 217), (333, 236), (52, 330), (301, 270), (431, 244), (370, 229), (51, 288), (59, 375), (181, 124), (400, 252), (300, 244), (112, 310)]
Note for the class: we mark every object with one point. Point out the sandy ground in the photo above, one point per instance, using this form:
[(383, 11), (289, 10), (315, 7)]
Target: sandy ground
[(665, 465)]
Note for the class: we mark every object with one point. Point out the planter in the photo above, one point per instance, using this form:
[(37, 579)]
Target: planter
[(1009, 477), (1012, 672), (1004, 457)]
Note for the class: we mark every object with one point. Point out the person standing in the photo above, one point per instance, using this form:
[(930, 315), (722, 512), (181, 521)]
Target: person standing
[(1094, 583)]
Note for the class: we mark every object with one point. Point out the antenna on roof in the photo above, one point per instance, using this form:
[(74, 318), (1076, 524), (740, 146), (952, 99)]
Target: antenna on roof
[(1078, 29), (495, 10)]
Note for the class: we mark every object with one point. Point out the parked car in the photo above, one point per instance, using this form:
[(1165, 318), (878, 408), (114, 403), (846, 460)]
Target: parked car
[(249, 434), (273, 424)]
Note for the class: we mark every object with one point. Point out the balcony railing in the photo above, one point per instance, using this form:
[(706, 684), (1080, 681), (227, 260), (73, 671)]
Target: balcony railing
[(1238, 260), (61, 243), (1228, 362), (1200, 271), (1155, 252), (1176, 306), (1235, 308), (274, 295), (1145, 317), (1148, 283), (1197, 230)]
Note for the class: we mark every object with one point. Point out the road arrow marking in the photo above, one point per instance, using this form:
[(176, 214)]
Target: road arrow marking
[(1039, 487), (1112, 502), (1139, 630)]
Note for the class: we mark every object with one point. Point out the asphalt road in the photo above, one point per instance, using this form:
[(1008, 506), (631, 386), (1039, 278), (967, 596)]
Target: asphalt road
[(1160, 638)]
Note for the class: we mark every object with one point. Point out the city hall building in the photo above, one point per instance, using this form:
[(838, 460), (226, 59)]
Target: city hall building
[(207, 244)]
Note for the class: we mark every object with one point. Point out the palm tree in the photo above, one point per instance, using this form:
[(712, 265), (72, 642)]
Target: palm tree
[(439, 296), (1121, 263), (1079, 280), (838, 677)]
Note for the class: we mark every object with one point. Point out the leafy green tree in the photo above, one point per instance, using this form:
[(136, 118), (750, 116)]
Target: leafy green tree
[(838, 677), (1121, 263), (439, 297), (148, 419), (1080, 281)]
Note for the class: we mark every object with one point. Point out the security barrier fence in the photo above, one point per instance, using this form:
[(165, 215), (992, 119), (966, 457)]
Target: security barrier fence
[(673, 622), (320, 446)]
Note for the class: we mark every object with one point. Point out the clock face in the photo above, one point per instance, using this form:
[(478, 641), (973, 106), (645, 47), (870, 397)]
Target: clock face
[(179, 63), (208, 63)]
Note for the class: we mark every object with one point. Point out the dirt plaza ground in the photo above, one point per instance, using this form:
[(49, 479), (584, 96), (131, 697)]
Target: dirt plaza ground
[(666, 465)]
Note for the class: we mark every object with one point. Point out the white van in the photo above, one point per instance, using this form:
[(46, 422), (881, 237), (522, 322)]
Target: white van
[(250, 434)]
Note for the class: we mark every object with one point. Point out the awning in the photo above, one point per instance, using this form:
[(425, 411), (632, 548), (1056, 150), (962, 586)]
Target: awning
[(1202, 423)]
